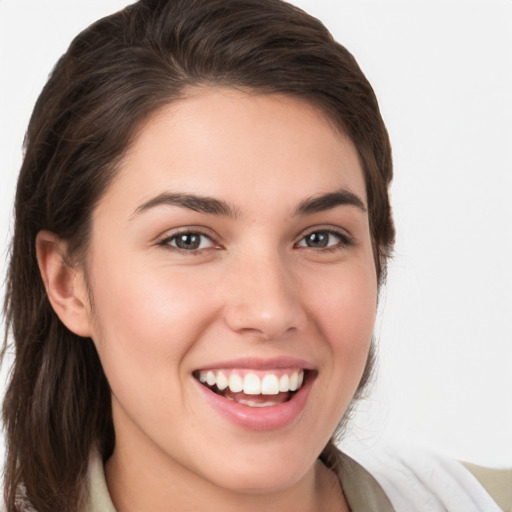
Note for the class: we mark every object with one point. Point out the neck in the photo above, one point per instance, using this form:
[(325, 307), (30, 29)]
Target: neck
[(135, 487)]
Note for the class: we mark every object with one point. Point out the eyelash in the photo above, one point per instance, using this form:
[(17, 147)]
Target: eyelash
[(167, 242), (343, 241)]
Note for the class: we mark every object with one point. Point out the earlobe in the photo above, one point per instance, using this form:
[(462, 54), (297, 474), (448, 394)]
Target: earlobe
[(65, 285)]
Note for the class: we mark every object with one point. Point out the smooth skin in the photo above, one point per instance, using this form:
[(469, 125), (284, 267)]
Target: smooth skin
[(260, 277)]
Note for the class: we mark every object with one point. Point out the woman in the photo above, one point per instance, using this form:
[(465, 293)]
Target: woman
[(202, 224)]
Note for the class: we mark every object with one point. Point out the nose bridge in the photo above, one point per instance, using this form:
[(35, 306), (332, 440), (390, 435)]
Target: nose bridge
[(264, 295)]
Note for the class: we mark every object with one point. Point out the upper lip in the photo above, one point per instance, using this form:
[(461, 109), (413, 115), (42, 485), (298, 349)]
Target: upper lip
[(257, 363)]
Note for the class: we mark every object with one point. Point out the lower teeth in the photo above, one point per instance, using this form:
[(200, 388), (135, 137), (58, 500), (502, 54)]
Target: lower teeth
[(252, 403)]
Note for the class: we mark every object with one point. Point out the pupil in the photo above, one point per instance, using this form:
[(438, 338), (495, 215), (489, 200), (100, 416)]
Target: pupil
[(188, 241), (317, 240)]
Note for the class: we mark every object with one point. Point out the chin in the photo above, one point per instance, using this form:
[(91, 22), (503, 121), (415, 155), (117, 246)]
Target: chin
[(261, 470), (262, 478)]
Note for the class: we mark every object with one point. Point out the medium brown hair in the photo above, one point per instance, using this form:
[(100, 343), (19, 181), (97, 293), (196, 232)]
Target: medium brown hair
[(113, 76)]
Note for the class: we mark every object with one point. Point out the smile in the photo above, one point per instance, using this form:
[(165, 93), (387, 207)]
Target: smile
[(257, 399), (253, 388)]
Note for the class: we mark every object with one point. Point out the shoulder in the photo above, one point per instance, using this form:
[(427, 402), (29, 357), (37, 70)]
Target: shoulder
[(418, 479), (497, 482)]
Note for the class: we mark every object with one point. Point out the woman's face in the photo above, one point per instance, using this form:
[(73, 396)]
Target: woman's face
[(233, 247)]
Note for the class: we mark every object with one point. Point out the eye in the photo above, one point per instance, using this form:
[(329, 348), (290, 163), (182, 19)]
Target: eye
[(323, 239), (189, 241)]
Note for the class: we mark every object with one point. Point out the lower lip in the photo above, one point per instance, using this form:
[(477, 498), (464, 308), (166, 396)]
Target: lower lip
[(269, 418)]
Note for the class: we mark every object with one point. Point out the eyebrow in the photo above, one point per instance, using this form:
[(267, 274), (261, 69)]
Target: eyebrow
[(328, 201), (202, 204), (212, 206)]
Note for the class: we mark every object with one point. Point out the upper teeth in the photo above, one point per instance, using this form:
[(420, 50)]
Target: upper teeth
[(266, 383)]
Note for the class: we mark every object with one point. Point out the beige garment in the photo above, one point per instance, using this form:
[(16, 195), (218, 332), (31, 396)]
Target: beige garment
[(363, 492), (497, 482), (98, 497)]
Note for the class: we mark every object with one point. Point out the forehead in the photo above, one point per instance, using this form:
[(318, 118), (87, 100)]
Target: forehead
[(227, 143)]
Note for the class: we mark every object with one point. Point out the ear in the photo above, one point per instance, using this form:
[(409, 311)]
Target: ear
[(65, 285)]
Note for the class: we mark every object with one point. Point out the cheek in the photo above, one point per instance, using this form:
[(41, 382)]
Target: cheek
[(147, 320), (344, 309), (148, 301)]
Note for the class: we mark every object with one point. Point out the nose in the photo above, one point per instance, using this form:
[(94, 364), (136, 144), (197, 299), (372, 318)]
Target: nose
[(263, 299)]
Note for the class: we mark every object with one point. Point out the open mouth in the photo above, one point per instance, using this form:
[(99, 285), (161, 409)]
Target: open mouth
[(254, 388)]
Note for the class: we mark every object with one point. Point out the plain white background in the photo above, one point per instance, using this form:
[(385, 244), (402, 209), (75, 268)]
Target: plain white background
[(442, 71)]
